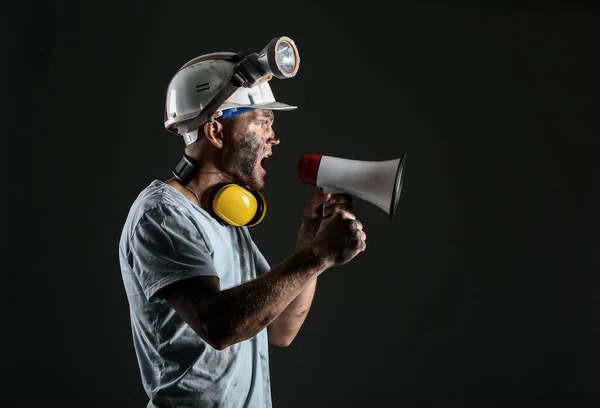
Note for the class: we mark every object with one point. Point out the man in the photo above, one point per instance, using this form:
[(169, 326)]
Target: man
[(204, 302)]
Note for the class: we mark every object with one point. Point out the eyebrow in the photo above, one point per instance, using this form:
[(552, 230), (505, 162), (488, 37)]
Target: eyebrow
[(266, 115)]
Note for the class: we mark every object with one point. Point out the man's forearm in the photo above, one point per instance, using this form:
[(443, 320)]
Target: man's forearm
[(287, 325), (240, 312)]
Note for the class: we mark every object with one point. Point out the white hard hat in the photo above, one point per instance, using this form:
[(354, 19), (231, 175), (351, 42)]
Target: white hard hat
[(198, 82)]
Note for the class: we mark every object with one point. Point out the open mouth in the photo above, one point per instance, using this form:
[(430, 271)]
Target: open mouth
[(264, 161)]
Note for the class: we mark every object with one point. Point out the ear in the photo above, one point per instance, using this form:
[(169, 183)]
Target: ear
[(214, 133)]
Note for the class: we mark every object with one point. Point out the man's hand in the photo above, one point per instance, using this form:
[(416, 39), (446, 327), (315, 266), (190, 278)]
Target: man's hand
[(315, 211), (340, 238)]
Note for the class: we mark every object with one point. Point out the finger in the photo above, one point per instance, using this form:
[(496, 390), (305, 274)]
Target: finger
[(333, 208), (313, 209), (348, 206), (318, 199), (341, 198), (346, 214), (359, 225)]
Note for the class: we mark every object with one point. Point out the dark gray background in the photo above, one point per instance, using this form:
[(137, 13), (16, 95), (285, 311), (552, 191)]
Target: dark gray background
[(481, 292)]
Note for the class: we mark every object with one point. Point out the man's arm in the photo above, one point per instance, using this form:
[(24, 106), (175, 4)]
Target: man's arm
[(223, 318), (226, 317), (283, 330), (286, 326)]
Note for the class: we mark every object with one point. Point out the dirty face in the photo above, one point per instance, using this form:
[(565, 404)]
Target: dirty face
[(248, 145)]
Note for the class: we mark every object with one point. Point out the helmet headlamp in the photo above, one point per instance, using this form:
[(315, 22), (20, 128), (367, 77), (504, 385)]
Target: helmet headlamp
[(279, 59)]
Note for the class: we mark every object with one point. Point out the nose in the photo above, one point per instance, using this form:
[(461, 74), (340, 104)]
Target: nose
[(273, 140)]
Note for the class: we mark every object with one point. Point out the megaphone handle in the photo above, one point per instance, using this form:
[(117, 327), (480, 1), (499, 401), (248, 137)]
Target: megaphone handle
[(322, 205)]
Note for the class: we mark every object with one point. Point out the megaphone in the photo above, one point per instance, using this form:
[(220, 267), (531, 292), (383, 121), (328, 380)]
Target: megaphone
[(378, 182)]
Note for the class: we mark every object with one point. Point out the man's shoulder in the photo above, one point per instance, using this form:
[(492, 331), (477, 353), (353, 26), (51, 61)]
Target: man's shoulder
[(156, 201)]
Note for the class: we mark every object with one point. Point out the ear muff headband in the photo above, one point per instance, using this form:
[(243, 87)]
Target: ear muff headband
[(238, 206)]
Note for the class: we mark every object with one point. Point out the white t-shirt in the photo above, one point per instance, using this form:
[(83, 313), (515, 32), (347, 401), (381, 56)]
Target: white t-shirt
[(166, 238)]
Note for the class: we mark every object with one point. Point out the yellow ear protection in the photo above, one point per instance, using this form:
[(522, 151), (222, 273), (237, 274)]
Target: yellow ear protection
[(237, 205), (232, 203)]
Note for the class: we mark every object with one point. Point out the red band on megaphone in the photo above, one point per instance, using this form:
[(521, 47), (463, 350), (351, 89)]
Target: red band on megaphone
[(308, 168)]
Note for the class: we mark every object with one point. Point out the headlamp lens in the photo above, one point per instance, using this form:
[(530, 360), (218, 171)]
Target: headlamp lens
[(286, 57), (279, 58)]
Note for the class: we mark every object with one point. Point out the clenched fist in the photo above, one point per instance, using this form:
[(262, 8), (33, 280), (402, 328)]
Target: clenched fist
[(340, 238), (319, 206)]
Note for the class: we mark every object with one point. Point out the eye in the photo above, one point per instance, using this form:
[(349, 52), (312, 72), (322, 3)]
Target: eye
[(263, 124)]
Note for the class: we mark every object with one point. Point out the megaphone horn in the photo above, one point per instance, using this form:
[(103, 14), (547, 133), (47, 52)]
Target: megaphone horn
[(378, 182)]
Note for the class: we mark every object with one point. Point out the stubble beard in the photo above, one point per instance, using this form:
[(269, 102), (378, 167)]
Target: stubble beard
[(245, 152)]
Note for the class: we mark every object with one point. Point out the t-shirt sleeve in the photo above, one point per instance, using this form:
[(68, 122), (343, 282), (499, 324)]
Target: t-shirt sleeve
[(166, 246)]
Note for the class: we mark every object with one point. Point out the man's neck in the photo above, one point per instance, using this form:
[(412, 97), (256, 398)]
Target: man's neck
[(201, 188)]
